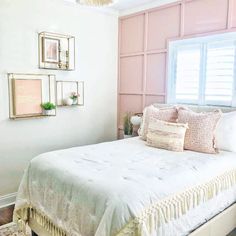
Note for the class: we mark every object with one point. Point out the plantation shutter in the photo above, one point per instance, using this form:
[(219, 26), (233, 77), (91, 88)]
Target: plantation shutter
[(187, 73), (220, 73)]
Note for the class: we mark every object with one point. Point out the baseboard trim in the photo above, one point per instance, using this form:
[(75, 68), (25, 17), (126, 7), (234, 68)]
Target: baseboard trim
[(7, 200)]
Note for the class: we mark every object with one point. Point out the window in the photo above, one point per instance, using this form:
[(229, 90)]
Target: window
[(203, 71)]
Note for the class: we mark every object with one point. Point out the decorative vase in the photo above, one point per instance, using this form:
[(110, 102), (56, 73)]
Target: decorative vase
[(75, 101), (136, 120), (68, 101)]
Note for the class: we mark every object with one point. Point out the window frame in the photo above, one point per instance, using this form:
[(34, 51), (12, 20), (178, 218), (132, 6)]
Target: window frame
[(203, 42)]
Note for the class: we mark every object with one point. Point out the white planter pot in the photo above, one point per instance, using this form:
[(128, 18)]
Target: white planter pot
[(127, 136), (49, 112)]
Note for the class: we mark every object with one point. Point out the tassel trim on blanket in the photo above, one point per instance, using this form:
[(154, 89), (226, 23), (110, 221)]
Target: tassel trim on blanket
[(27, 213), (177, 205), (154, 216)]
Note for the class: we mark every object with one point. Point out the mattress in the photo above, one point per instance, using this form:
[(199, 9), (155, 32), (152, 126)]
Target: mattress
[(101, 189)]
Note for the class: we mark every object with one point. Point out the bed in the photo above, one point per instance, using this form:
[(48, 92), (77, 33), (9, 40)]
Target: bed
[(125, 188)]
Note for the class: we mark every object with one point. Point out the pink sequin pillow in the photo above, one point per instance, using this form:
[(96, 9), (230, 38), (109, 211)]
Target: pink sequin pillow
[(168, 114), (200, 136)]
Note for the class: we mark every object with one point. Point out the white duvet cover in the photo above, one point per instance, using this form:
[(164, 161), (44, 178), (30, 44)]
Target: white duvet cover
[(98, 189)]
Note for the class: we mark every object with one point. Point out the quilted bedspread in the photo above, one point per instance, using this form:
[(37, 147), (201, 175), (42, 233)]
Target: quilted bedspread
[(106, 189)]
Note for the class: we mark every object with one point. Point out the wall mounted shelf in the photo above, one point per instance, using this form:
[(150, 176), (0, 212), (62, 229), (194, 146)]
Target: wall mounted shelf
[(65, 91), (56, 51), (27, 92)]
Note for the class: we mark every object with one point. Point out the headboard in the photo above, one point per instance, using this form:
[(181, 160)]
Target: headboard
[(197, 108)]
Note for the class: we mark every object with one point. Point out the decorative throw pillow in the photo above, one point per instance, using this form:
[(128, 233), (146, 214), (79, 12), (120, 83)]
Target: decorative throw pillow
[(166, 135), (168, 114), (200, 136), (226, 132)]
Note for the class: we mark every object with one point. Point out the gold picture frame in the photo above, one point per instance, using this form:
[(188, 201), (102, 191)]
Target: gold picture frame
[(51, 50), (22, 100), (60, 49)]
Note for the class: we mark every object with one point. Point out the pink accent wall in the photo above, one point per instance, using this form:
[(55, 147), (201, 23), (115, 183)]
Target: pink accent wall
[(156, 68), (156, 38), (143, 46), (234, 13), (203, 16), (131, 72), (132, 34)]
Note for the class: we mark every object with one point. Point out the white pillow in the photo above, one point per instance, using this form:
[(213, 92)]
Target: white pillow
[(226, 132)]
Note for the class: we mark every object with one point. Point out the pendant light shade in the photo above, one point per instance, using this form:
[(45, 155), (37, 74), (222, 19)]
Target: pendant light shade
[(97, 2)]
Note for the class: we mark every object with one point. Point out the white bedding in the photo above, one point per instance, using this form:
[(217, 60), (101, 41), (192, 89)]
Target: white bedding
[(97, 189)]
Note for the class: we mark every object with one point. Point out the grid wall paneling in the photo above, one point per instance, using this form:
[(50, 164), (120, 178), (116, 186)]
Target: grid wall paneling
[(130, 103), (156, 66), (132, 34), (202, 16), (159, 30), (233, 13), (131, 72), (150, 99), (143, 46)]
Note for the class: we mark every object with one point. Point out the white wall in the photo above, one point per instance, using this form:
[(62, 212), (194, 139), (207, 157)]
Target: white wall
[(96, 35)]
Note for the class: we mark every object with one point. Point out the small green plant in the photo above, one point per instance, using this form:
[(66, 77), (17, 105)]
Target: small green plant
[(48, 106), (74, 96), (128, 127)]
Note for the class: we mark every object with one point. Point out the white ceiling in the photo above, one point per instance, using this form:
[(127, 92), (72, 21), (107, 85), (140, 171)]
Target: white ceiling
[(127, 4), (124, 7)]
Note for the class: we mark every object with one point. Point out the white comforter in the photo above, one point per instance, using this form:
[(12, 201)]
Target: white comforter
[(97, 189)]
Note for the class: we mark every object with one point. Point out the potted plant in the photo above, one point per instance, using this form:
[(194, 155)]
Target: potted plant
[(74, 96), (128, 127), (48, 108)]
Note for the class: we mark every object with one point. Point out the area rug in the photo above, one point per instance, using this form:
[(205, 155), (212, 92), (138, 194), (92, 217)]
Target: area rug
[(11, 230)]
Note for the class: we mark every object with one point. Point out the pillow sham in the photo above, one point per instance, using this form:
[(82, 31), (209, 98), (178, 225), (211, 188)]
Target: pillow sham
[(226, 132), (168, 114), (166, 135), (200, 136)]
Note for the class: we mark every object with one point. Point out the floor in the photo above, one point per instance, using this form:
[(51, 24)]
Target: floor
[(6, 217), (11, 230), (233, 233)]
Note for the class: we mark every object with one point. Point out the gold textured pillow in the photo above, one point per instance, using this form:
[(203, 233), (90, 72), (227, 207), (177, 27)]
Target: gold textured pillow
[(200, 136), (169, 114), (166, 135)]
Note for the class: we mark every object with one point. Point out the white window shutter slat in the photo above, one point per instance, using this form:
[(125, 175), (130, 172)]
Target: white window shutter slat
[(220, 73), (203, 71), (187, 73)]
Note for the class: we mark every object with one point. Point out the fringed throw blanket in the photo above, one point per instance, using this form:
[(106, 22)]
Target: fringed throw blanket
[(121, 188)]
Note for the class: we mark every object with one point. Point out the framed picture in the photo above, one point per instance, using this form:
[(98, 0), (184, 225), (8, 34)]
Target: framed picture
[(27, 93), (27, 97), (51, 50), (56, 51)]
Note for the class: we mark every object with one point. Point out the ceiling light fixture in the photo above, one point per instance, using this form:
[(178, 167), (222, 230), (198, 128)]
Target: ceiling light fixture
[(97, 2)]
